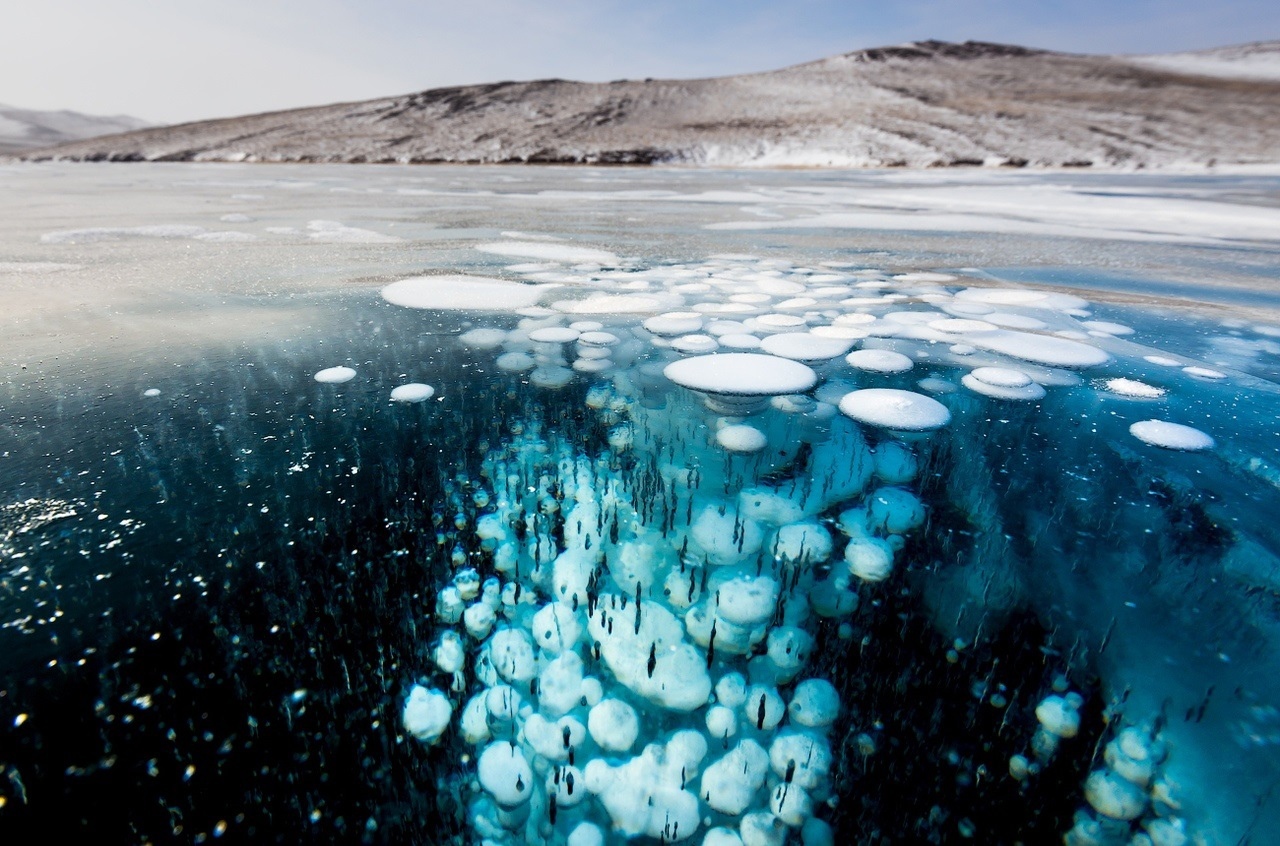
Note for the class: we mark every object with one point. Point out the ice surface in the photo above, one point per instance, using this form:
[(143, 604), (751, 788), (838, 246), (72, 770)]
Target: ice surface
[(1016, 621)]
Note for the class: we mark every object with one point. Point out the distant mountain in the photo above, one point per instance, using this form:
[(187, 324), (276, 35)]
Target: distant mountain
[(927, 103), (25, 129), (1260, 60)]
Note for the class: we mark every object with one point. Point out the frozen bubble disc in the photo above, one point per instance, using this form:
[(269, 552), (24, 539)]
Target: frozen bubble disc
[(467, 293), (1168, 435), (891, 408), (803, 346), (335, 375), (412, 392), (742, 374)]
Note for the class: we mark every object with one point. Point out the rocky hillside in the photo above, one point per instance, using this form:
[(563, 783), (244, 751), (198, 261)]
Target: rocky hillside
[(25, 129), (922, 104)]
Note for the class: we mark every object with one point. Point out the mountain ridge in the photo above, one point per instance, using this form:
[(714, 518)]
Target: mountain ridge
[(27, 129), (926, 103)]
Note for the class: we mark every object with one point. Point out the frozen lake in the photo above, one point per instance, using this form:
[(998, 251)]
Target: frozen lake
[(571, 506)]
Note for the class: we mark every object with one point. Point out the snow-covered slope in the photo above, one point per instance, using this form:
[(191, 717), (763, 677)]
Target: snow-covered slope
[(1260, 60), (922, 104), (25, 129)]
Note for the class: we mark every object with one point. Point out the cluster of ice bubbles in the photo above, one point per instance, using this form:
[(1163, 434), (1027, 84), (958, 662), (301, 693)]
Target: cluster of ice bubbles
[(634, 660)]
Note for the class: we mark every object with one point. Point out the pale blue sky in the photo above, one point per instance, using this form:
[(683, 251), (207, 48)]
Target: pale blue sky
[(184, 61)]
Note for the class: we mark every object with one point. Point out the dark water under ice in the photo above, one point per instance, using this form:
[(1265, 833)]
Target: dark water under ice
[(214, 601)]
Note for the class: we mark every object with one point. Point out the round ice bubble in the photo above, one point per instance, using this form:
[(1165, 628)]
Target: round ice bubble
[(895, 463), (721, 721), (1113, 796), (729, 784), (870, 559), (1040, 349), (879, 361), (741, 438), (598, 339), (585, 834), (894, 510), (814, 704), (483, 338), (335, 375), (505, 774), (427, 714), (674, 323), (740, 341), (515, 362), (695, 344), (151, 392), (742, 374), (412, 392), (1002, 383), (895, 409), (554, 335), (1168, 435), (467, 293), (614, 725), (802, 346)]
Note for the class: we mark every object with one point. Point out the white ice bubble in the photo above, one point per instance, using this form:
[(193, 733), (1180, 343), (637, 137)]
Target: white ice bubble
[(427, 714), (505, 774), (462, 293), (1040, 349), (515, 362), (1162, 433), (554, 335), (335, 375), (879, 361), (483, 338), (151, 392), (597, 338), (741, 438), (742, 374), (674, 323), (1002, 383), (895, 409), (614, 725), (412, 392), (803, 346), (695, 344)]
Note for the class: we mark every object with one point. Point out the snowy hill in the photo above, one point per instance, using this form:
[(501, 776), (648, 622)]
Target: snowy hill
[(25, 129), (921, 104)]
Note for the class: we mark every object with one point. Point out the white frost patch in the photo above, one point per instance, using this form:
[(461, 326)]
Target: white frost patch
[(1162, 433), (36, 267), (549, 252), (227, 237), (116, 233), (1133, 388), (333, 232), (462, 293)]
